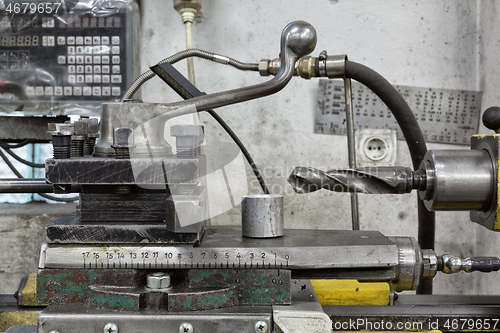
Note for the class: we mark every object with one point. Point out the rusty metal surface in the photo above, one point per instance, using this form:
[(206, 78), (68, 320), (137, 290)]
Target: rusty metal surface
[(112, 289), (191, 290)]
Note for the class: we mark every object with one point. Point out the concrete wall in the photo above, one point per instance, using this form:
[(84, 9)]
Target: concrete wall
[(439, 44)]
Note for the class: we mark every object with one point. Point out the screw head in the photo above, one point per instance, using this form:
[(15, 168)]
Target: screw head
[(123, 137), (186, 328), (110, 328), (260, 327)]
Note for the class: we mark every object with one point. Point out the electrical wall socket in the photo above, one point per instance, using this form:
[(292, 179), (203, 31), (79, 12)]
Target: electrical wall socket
[(375, 147)]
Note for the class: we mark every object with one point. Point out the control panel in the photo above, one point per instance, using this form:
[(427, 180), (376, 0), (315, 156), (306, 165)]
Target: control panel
[(68, 62)]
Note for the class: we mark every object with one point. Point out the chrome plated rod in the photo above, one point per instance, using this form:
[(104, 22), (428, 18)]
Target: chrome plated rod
[(28, 185), (351, 148)]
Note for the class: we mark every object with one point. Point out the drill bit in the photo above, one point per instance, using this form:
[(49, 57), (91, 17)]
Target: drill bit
[(370, 180)]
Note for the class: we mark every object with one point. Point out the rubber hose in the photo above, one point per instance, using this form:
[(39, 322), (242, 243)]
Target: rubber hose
[(414, 139)]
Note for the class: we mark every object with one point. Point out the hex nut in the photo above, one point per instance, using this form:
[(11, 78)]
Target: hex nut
[(186, 328), (110, 328), (264, 67), (158, 281)]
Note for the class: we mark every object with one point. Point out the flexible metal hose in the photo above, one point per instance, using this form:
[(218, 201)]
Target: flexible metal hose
[(186, 54)]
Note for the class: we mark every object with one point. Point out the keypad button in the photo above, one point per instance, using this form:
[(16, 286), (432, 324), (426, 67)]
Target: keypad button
[(79, 40), (115, 40), (105, 40), (88, 49), (71, 50), (88, 69), (30, 90), (105, 59), (88, 59), (61, 60), (96, 91), (115, 91), (77, 91), (97, 79), (71, 69), (106, 91), (116, 59), (118, 22), (49, 91), (93, 22), (58, 91), (39, 91), (71, 40), (96, 50), (116, 69), (89, 78), (80, 78), (105, 79), (105, 49), (79, 59), (115, 50), (88, 40), (97, 59), (77, 22), (68, 91), (116, 79), (71, 59), (97, 69), (87, 91), (80, 69), (61, 40), (96, 40), (51, 40), (109, 22), (105, 69), (79, 50), (85, 22), (101, 22), (71, 78)]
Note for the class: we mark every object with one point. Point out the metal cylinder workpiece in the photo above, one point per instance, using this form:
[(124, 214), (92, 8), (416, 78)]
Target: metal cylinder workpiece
[(262, 216), (458, 180)]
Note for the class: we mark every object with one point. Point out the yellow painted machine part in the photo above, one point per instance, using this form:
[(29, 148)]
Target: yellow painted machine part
[(351, 292), (23, 317), (28, 294)]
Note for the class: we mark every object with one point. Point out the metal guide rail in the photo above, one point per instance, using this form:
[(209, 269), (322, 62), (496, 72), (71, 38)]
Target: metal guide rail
[(221, 249), (444, 115)]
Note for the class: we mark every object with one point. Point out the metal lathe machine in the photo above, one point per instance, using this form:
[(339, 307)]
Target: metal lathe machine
[(139, 253)]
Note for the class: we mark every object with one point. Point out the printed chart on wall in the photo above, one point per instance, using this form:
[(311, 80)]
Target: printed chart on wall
[(444, 115)]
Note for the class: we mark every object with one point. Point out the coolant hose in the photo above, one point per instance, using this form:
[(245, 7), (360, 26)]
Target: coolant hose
[(414, 139)]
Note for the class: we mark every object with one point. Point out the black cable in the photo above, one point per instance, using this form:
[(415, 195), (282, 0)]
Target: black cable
[(243, 149), (187, 90), (14, 145), (414, 139), (18, 174), (20, 159)]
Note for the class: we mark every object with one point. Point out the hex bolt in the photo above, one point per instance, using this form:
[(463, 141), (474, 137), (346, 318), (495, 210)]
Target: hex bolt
[(61, 139), (188, 139), (123, 142), (80, 133), (110, 328), (260, 327), (158, 281), (93, 134), (186, 328)]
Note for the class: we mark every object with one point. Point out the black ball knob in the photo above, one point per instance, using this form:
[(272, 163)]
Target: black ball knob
[(491, 118)]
